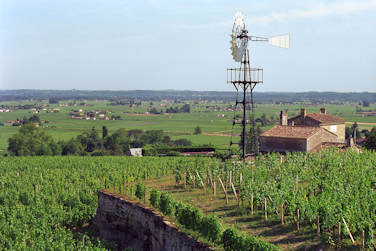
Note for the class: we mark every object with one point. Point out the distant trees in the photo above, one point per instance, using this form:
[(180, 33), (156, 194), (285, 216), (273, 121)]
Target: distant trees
[(198, 130), (104, 131), (32, 141), (370, 144), (53, 100), (185, 108)]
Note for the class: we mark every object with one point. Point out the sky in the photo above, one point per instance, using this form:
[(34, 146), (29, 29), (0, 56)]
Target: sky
[(185, 45)]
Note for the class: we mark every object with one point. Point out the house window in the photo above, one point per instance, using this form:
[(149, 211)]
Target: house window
[(333, 128)]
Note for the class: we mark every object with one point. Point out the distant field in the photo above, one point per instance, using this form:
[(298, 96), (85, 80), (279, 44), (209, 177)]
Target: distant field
[(180, 125)]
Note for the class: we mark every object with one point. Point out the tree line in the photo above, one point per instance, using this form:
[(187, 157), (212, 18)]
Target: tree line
[(33, 141)]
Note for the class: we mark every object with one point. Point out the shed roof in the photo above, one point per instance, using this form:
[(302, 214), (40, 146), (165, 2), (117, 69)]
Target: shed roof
[(295, 132)]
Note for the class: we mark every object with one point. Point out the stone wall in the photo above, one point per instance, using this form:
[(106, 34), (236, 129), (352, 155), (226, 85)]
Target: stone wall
[(129, 224), (269, 144)]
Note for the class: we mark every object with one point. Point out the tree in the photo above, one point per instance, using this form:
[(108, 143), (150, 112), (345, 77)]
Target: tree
[(154, 110), (90, 140), (198, 130), (135, 132), (182, 142), (185, 108), (370, 144), (104, 131), (118, 138), (30, 140)]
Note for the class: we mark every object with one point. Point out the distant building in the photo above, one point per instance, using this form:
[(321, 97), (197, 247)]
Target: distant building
[(305, 132), (136, 152)]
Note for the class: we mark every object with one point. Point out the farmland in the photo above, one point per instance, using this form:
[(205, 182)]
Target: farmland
[(215, 130)]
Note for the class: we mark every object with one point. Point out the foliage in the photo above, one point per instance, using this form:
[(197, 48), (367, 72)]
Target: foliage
[(31, 140), (173, 153), (182, 142), (166, 204), (198, 130), (370, 144), (155, 198), (140, 190)]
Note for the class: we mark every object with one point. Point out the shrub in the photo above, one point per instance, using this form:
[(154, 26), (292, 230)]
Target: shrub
[(211, 228), (155, 198), (166, 204), (140, 190)]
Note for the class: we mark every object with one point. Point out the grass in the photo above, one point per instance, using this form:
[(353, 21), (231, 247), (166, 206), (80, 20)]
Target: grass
[(271, 230)]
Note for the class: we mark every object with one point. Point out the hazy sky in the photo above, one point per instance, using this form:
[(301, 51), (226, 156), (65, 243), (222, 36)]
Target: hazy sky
[(184, 45)]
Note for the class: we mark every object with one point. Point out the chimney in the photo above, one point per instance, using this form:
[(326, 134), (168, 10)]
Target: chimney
[(303, 114), (283, 118), (323, 110)]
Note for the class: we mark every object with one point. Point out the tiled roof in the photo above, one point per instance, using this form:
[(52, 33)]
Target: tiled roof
[(296, 132), (324, 118)]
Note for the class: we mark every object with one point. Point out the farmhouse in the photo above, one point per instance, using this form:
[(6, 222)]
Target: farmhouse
[(304, 132), (137, 152)]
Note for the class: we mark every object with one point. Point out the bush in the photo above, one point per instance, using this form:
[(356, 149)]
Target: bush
[(140, 190), (155, 196), (211, 228), (173, 153), (166, 204)]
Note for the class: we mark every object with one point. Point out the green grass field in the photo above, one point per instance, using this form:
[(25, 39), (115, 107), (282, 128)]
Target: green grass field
[(216, 130)]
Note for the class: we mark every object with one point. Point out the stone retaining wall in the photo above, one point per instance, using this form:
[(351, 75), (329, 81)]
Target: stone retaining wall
[(129, 224)]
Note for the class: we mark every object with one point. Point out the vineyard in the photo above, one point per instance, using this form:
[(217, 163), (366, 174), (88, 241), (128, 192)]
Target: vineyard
[(43, 200)]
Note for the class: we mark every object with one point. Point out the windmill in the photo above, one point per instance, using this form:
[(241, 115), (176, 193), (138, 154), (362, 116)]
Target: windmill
[(246, 77)]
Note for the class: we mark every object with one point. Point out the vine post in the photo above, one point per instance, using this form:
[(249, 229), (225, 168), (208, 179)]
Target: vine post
[(318, 227), (282, 214), (339, 233), (185, 180), (362, 239), (214, 188), (266, 212), (251, 203), (297, 219)]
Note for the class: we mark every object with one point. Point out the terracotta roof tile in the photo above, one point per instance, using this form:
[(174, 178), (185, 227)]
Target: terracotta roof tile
[(297, 132), (324, 118)]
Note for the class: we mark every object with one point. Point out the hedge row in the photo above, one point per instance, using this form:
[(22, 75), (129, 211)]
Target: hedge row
[(164, 150), (209, 226)]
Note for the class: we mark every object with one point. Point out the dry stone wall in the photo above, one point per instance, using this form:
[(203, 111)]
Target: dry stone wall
[(129, 224)]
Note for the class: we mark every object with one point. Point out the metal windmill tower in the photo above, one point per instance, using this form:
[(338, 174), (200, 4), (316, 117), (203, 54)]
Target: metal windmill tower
[(246, 77)]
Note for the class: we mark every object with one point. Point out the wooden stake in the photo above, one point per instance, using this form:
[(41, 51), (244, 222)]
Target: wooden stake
[(347, 228), (251, 203), (224, 189), (233, 189), (297, 219), (266, 212), (362, 239), (185, 180), (339, 232), (194, 182), (318, 227), (83, 241), (214, 188), (198, 175), (204, 188), (282, 214)]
